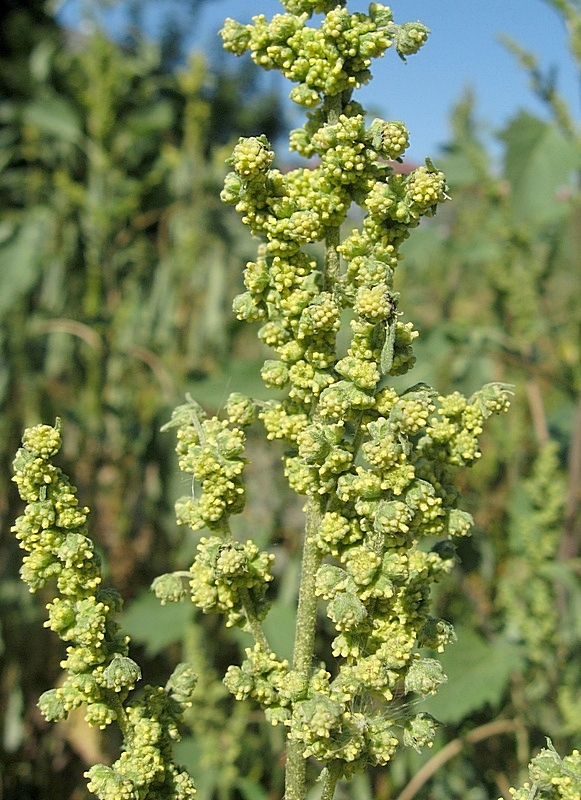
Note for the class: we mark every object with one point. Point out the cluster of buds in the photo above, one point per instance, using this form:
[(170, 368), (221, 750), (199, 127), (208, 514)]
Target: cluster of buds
[(552, 777), (227, 576), (376, 465), (100, 673), (328, 60)]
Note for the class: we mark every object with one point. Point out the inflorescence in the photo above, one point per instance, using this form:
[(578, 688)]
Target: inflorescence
[(100, 673), (376, 464)]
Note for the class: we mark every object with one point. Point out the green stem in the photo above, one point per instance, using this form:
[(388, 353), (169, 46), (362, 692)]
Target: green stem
[(295, 775), (329, 777), (247, 602), (295, 784), (253, 621), (307, 605)]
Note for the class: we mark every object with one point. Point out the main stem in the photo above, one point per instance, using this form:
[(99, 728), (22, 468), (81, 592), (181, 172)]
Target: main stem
[(295, 776)]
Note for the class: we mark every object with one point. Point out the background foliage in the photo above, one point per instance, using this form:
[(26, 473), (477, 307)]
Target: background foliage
[(117, 268)]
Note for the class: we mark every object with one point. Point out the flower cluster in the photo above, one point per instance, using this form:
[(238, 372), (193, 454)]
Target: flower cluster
[(376, 465), (223, 572), (552, 777), (227, 576), (209, 450), (526, 590), (325, 61), (53, 531)]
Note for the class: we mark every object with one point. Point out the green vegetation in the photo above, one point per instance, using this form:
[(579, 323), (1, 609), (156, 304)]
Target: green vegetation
[(117, 267)]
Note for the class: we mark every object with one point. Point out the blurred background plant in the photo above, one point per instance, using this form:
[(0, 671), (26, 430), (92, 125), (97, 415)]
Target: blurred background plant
[(117, 268)]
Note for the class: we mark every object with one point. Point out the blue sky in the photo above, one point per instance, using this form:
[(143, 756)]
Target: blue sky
[(462, 52)]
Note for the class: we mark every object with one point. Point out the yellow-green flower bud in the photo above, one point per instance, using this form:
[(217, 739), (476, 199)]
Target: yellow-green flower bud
[(170, 588), (236, 37), (252, 156), (409, 37), (121, 673), (436, 634), (389, 139), (424, 676), (241, 409), (420, 731)]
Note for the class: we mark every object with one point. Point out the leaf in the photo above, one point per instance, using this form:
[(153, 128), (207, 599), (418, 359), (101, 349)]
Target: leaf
[(153, 625), (387, 351), (478, 672), (150, 119), (54, 116), (21, 258), (279, 628), (539, 161)]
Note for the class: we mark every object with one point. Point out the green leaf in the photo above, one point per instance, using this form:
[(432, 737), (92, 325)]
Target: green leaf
[(153, 625), (151, 119), (54, 116), (279, 628), (478, 672), (539, 162), (21, 258)]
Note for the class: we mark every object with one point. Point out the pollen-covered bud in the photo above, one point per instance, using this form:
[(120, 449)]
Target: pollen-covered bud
[(241, 409), (305, 95), (42, 441), (382, 743), (332, 580), (275, 374), (53, 706), (459, 523), (232, 190), (236, 37), (322, 314), (309, 6), (411, 411), (425, 188), (374, 303), (493, 398), (389, 139), (336, 400), (333, 529), (361, 563), (403, 355), (420, 731), (346, 611), (252, 156), (316, 717), (181, 683), (409, 37), (424, 677), (121, 673), (364, 374), (393, 518), (436, 634), (170, 588), (546, 767)]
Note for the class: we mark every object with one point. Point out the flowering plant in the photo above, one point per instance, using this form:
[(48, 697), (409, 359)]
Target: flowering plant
[(373, 455)]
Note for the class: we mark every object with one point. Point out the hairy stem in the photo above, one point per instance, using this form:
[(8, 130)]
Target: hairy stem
[(252, 620), (329, 779), (295, 787), (295, 784)]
